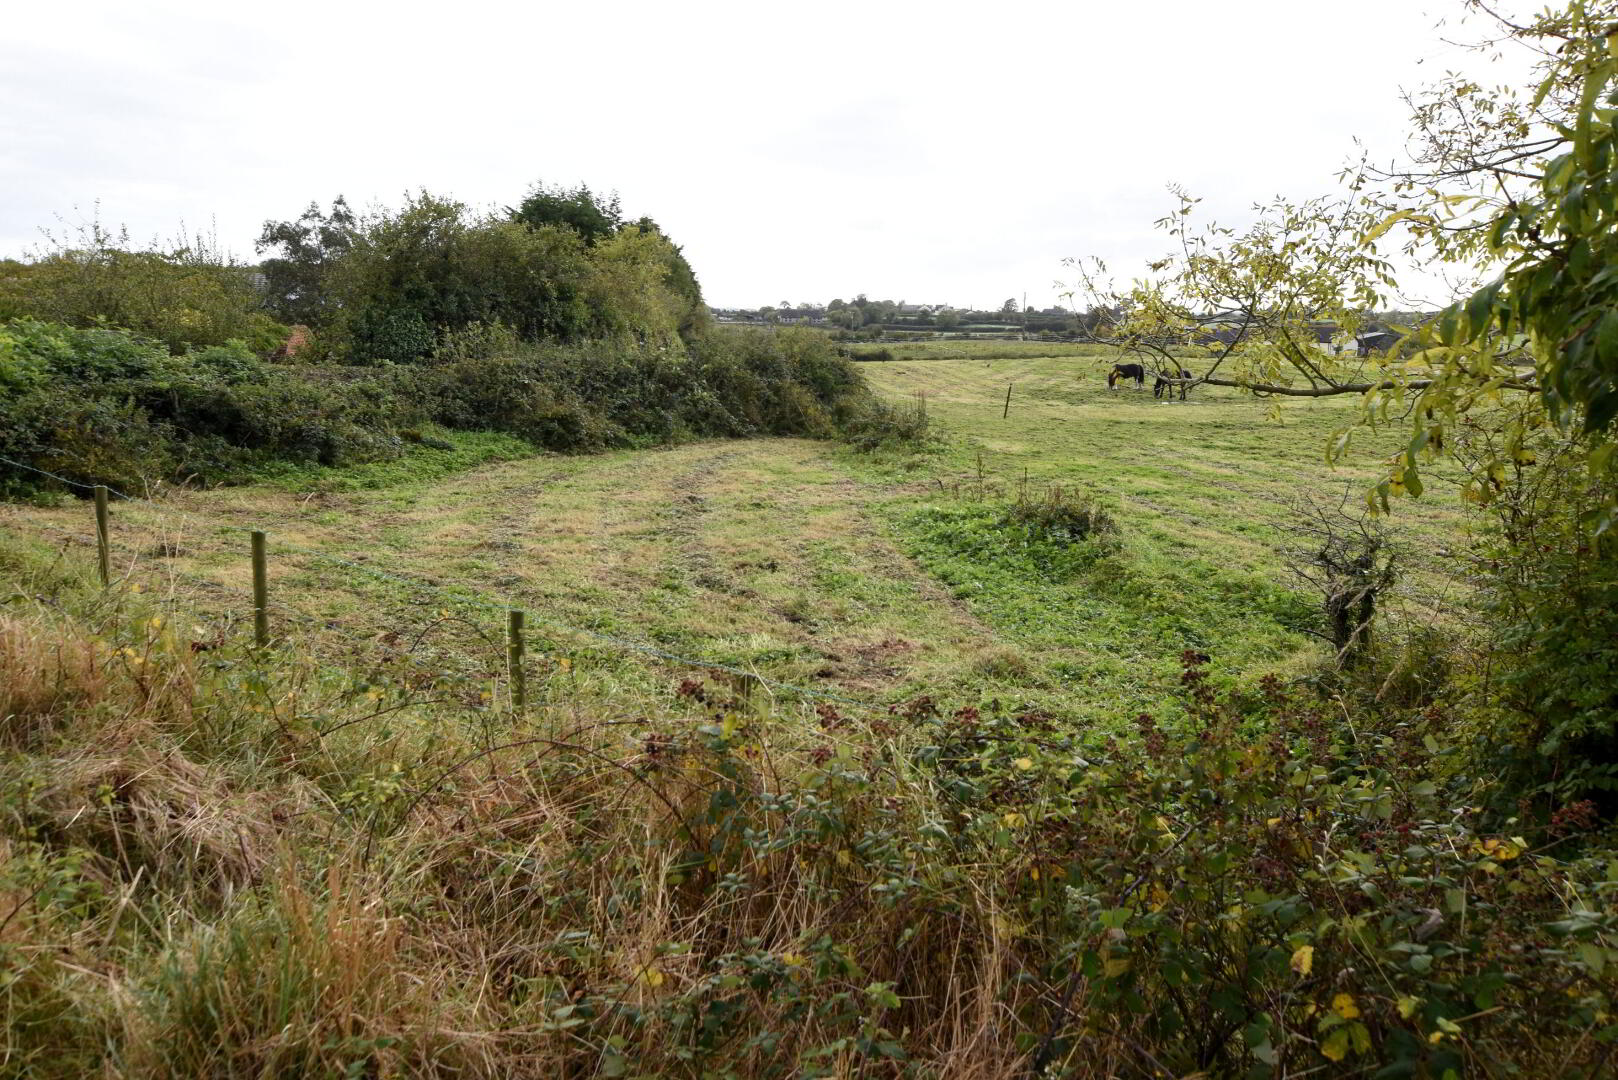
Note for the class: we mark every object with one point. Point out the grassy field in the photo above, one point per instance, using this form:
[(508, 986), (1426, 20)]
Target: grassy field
[(352, 856), (965, 349), (873, 579)]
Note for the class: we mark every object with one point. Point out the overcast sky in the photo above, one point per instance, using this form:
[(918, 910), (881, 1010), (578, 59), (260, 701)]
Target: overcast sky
[(921, 152)]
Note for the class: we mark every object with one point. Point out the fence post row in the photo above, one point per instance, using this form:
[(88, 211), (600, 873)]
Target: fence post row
[(514, 661), (104, 555), (261, 592)]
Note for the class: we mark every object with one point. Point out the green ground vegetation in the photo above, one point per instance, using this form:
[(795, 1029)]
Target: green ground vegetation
[(877, 577)]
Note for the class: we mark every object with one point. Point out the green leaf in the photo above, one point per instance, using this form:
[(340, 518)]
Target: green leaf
[(1593, 957), (1335, 1045)]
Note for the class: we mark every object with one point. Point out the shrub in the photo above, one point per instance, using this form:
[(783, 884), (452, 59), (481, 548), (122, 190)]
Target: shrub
[(1549, 589), (103, 406), (869, 424), (1062, 515), (186, 294), (1264, 902)]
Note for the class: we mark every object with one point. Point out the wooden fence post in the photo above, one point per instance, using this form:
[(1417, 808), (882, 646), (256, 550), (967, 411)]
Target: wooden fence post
[(261, 592), (515, 648), (103, 553), (1007, 410)]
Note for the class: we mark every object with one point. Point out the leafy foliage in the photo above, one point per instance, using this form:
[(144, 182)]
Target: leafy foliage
[(100, 406), (298, 278), (187, 294), (711, 888), (593, 217)]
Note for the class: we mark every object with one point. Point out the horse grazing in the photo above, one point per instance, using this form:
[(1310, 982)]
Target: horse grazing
[(1126, 371), (1166, 382)]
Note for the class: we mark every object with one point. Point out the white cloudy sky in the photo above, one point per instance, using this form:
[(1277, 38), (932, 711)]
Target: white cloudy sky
[(926, 152)]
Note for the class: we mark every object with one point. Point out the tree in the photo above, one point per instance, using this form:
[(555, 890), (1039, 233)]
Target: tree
[(1245, 309), (306, 252), (1525, 182), (682, 280), (947, 318), (594, 217), (1517, 185)]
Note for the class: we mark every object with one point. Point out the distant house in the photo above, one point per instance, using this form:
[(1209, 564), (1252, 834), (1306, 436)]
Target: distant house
[(1228, 327), (1221, 327), (1376, 342)]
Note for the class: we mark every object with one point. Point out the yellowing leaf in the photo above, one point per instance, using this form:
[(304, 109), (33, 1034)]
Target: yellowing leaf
[(1303, 959), (1115, 966), (1408, 1006), (1014, 820), (792, 959), (1343, 1005), (652, 978), (1024, 763), (1336, 1045), (1381, 227)]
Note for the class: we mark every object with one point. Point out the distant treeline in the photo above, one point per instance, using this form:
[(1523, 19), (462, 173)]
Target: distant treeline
[(863, 318)]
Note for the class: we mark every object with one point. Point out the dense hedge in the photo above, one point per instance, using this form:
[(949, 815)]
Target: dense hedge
[(105, 406)]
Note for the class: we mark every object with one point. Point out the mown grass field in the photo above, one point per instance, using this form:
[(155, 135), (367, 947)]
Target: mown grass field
[(351, 855), (876, 579)]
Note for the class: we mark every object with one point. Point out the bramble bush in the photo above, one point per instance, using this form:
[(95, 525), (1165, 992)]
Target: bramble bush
[(106, 406)]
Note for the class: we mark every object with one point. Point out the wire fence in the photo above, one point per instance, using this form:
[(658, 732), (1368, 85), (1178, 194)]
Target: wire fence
[(520, 629)]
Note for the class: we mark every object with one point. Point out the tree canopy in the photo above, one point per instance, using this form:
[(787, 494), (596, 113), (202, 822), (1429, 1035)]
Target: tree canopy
[(1513, 186)]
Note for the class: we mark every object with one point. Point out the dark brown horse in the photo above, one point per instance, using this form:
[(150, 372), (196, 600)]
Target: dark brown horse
[(1126, 371), (1166, 382)]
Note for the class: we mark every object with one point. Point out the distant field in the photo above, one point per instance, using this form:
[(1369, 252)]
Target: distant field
[(1206, 476), (958, 349), (875, 579)]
